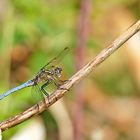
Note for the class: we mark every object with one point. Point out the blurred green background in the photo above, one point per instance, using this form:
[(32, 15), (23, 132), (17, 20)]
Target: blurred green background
[(32, 32)]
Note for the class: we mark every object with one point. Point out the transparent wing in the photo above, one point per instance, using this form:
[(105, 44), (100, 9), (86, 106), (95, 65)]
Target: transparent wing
[(37, 95), (56, 60)]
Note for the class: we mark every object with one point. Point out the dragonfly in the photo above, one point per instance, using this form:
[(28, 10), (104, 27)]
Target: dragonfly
[(50, 73)]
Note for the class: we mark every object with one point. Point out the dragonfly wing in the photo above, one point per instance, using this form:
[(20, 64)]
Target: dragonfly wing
[(36, 93), (56, 60)]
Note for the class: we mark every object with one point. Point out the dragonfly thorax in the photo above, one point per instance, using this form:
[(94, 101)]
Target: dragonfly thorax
[(50, 74)]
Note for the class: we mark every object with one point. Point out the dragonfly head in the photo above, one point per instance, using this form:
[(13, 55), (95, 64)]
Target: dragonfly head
[(58, 71)]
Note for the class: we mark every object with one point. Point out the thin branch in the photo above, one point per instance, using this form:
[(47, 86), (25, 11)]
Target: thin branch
[(43, 105)]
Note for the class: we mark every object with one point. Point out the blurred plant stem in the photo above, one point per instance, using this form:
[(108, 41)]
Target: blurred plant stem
[(82, 39), (8, 29)]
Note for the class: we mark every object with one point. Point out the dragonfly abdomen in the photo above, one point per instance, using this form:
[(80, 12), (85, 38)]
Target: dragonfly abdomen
[(26, 84)]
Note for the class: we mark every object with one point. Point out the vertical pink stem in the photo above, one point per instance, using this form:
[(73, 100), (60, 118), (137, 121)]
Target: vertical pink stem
[(83, 31)]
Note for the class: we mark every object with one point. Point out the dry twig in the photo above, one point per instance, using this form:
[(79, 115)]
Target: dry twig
[(43, 105)]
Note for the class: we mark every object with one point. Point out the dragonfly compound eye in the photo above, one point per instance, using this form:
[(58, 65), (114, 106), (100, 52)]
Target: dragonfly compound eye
[(58, 71)]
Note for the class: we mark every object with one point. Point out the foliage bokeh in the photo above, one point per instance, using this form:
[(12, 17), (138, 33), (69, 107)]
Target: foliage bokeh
[(32, 32)]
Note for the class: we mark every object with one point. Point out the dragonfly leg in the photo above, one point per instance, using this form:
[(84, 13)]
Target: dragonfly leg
[(63, 81), (43, 90), (58, 86)]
